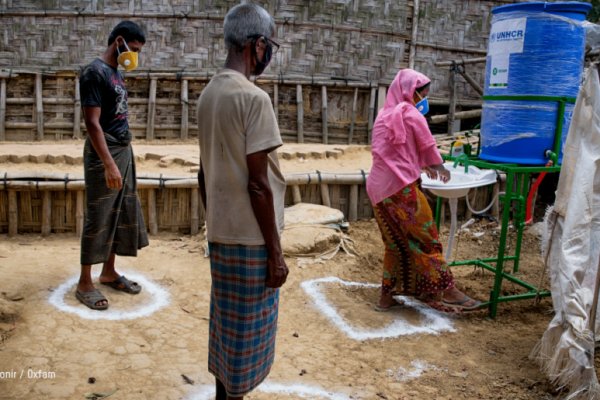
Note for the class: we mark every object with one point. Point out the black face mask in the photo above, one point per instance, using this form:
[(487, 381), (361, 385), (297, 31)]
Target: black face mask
[(262, 65)]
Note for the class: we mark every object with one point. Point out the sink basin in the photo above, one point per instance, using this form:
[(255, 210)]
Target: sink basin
[(458, 186), (460, 182)]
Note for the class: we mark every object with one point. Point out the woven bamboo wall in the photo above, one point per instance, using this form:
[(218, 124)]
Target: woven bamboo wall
[(352, 47), (368, 40)]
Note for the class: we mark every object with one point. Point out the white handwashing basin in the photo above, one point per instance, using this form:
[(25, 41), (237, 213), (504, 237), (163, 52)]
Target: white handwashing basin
[(458, 186), (460, 182)]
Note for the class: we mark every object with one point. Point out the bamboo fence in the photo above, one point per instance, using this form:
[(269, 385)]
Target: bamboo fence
[(53, 203), (327, 81)]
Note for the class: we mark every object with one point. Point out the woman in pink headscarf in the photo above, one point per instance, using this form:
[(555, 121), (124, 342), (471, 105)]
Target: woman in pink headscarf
[(402, 147)]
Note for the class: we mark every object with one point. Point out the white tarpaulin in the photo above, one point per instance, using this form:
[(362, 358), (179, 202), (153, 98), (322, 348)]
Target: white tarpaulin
[(572, 248)]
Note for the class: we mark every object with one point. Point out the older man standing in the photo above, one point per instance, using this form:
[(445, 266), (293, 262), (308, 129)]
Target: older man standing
[(243, 190)]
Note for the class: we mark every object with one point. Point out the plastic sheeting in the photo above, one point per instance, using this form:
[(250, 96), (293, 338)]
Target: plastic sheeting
[(572, 246)]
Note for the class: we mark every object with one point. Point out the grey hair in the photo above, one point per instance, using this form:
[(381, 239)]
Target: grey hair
[(244, 20)]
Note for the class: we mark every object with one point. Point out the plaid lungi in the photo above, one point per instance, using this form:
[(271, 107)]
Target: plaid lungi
[(113, 218), (243, 317)]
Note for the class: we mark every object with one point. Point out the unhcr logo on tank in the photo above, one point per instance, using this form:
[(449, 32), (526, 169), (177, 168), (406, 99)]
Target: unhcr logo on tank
[(504, 36)]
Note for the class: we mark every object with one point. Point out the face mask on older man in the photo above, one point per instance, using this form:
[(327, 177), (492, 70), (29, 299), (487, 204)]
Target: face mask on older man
[(261, 65)]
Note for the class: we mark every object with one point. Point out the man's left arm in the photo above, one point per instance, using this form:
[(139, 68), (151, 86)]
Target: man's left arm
[(261, 198)]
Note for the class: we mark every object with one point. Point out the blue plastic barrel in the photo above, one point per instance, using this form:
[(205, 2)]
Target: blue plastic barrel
[(536, 50)]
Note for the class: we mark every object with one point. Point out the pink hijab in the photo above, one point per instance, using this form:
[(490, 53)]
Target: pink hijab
[(400, 93)]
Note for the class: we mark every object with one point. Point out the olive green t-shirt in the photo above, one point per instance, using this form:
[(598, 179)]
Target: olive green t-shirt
[(236, 118)]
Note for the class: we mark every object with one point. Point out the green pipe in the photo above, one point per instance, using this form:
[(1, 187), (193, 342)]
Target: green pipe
[(560, 99), (523, 296), (479, 262), (558, 132), (503, 233)]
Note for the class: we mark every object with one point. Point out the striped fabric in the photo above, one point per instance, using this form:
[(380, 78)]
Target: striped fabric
[(113, 218), (243, 317)]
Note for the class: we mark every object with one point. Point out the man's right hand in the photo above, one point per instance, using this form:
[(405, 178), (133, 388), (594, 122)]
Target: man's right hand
[(277, 271), (113, 177)]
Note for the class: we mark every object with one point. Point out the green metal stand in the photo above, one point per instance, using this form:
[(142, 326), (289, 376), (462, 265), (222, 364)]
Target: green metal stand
[(513, 202)]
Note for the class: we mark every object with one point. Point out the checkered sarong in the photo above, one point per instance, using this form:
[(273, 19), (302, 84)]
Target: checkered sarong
[(243, 317)]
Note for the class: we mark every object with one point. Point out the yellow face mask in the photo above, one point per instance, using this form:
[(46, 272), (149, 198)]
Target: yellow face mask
[(127, 59)]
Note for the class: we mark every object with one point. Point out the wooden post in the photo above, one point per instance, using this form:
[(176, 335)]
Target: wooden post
[(324, 113), (195, 219), (325, 195), (496, 205), (300, 106), (371, 114), (276, 101), (297, 197), (152, 220), (2, 110), (77, 111), (184, 109), (452, 104), (39, 106), (151, 110), (13, 216), (46, 212), (413, 38), (79, 213), (381, 93), (353, 118), (353, 203)]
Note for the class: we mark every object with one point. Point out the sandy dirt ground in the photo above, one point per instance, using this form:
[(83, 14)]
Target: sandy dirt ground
[(50, 353)]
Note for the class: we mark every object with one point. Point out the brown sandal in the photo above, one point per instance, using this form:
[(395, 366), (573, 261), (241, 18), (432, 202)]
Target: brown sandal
[(123, 284)]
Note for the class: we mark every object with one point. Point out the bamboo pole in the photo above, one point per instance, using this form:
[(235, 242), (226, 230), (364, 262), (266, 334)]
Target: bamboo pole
[(325, 195), (436, 119), (381, 94), (371, 114), (453, 94), (461, 62), (276, 101), (353, 206), (46, 213), (328, 178), (13, 215), (152, 219), (184, 109), (79, 213), (151, 109), (353, 118), (300, 106), (324, 113), (194, 212), (297, 197), (470, 80), (77, 111), (413, 36), (39, 108), (2, 110)]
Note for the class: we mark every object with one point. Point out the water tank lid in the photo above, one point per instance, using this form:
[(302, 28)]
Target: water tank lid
[(540, 6)]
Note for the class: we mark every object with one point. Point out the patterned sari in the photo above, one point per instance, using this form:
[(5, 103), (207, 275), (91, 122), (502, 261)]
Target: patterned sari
[(413, 263)]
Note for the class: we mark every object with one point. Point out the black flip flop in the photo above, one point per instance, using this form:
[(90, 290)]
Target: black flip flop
[(91, 298), (123, 284)]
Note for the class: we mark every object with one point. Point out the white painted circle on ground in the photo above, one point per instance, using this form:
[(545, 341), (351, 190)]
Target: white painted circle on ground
[(434, 322), (207, 392), (159, 299)]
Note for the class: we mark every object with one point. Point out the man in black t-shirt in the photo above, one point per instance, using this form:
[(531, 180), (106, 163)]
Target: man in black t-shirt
[(114, 224)]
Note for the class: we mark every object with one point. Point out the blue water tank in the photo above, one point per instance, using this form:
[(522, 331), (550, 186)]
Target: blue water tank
[(535, 49)]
